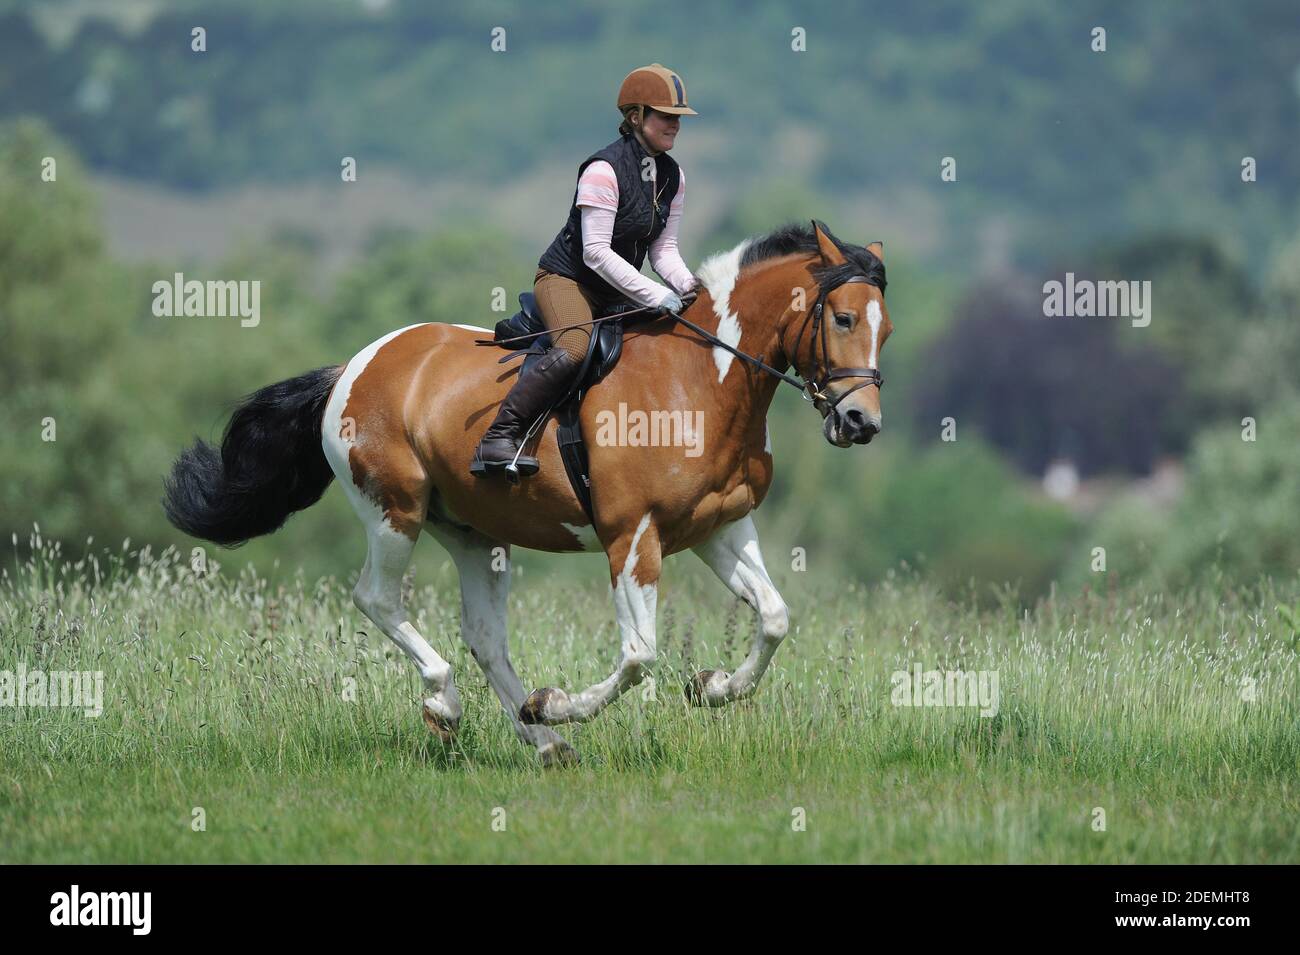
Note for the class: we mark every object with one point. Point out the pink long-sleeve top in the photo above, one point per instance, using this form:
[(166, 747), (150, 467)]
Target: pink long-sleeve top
[(598, 200)]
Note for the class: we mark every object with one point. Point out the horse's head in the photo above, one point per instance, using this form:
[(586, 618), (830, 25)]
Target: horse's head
[(837, 350)]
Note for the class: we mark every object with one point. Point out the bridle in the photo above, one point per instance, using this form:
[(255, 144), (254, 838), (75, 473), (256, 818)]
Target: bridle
[(815, 385)]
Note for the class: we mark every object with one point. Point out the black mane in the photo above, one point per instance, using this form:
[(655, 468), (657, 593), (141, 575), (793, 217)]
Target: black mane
[(795, 238)]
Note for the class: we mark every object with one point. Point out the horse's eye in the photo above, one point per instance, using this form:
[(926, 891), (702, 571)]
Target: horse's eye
[(843, 319)]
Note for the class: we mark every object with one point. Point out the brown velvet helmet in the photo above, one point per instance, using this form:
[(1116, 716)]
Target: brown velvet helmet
[(655, 86)]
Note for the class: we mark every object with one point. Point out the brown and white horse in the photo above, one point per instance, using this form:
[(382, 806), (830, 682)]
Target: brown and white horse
[(397, 425)]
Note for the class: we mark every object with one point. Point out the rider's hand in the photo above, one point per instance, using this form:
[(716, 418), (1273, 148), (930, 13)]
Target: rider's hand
[(692, 293), (672, 302)]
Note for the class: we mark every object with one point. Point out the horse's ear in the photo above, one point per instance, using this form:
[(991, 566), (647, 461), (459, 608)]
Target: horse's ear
[(830, 249), (877, 249)]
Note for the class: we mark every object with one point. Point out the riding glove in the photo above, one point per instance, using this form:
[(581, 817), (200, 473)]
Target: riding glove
[(672, 302)]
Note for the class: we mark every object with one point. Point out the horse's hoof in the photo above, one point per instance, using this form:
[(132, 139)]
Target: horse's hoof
[(558, 755), (539, 706), (441, 727), (698, 685)]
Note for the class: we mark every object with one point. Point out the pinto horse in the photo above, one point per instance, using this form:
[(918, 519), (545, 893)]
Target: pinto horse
[(397, 425)]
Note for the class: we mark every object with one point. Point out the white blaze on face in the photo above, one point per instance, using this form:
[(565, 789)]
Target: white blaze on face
[(874, 319)]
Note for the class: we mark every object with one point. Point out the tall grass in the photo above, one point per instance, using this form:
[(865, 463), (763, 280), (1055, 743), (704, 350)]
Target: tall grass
[(295, 725)]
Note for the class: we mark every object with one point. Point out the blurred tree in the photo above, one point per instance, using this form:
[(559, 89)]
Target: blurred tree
[(51, 229), (765, 205), (1040, 388), (1204, 308), (450, 276)]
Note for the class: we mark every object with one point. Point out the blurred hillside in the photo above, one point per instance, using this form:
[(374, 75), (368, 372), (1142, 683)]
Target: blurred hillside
[(1117, 165)]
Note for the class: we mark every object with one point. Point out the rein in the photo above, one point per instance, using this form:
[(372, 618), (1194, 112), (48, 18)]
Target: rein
[(812, 388)]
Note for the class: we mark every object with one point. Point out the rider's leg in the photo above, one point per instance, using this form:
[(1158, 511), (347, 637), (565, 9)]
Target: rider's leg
[(561, 302)]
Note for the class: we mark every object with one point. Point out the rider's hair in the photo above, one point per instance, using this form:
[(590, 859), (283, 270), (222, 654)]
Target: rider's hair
[(625, 127)]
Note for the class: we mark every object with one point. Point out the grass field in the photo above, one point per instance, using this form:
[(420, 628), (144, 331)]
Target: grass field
[(1175, 714)]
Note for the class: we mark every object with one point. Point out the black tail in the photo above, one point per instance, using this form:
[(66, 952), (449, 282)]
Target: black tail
[(270, 464)]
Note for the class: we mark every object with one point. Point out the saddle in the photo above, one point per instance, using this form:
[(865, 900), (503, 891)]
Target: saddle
[(603, 351)]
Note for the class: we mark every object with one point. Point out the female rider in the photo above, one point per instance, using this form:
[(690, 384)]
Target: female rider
[(628, 203)]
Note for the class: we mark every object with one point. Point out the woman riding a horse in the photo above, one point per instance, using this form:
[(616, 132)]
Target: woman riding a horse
[(398, 424), (628, 203)]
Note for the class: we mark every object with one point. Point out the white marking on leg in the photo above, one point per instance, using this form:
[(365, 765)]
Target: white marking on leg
[(634, 608), (735, 556), (718, 273), (873, 319), (484, 593), (378, 595), (629, 565)]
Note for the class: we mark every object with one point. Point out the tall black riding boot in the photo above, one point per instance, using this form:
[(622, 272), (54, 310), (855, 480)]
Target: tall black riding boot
[(532, 394)]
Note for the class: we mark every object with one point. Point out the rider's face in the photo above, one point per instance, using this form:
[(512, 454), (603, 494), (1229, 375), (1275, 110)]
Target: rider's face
[(660, 130)]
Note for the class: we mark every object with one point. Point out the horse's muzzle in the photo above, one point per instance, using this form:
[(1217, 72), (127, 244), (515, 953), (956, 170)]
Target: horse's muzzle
[(853, 426)]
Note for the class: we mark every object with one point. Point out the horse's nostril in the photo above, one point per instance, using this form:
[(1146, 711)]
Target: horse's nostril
[(856, 420)]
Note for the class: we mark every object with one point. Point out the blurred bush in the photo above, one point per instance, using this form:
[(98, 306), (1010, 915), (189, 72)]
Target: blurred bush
[(1238, 518), (961, 512), (1241, 512)]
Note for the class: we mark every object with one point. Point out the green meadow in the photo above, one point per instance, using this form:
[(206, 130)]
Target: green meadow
[(245, 721)]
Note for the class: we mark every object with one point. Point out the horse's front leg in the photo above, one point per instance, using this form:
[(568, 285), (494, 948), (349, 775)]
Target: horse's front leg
[(733, 554), (634, 564)]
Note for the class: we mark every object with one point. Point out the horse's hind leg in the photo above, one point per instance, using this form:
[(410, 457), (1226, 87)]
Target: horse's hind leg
[(733, 554), (390, 539), (388, 486), (634, 562), (484, 588), (378, 595)]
